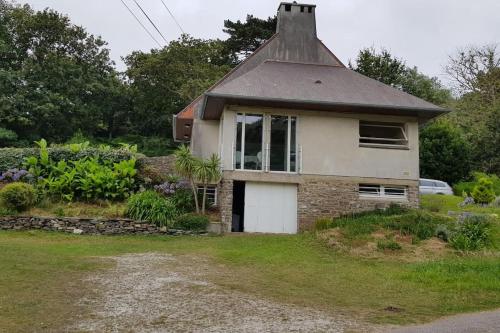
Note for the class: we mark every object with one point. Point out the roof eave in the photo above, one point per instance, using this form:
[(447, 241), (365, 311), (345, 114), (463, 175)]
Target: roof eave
[(213, 106)]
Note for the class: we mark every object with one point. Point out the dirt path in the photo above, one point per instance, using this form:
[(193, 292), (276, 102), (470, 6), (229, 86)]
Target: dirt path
[(162, 293), (481, 322)]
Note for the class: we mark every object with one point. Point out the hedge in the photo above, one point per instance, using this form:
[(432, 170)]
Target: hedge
[(14, 157)]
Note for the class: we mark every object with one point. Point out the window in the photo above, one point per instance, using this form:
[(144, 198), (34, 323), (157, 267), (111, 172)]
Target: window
[(283, 145), (211, 195), (426, 183), (249, 141), (382, 191), (389, 135)]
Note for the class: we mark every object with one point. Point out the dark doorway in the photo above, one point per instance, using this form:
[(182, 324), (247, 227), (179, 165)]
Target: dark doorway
[(238, 206)]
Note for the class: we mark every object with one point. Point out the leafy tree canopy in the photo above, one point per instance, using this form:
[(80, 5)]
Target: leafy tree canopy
[(164, 81), (246, 37), (53, 75), (392, 71), (476, 74), (444, 153)]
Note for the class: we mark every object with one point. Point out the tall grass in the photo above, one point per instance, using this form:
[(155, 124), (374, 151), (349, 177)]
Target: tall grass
[(152, 207)]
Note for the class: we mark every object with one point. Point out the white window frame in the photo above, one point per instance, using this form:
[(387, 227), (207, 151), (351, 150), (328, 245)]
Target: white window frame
[(210, 188), (289, 139), (391, 142), (381, 191), (242, 157)]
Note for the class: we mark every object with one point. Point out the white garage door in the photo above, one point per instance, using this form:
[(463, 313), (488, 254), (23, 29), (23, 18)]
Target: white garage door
[(270, 208)]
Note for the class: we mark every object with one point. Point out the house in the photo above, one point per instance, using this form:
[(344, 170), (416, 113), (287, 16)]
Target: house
[(301, 136)]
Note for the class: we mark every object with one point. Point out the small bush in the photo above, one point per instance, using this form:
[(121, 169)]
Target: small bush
[(183, 200), (473, 233), (496, 202), (443, 232), (388, 245), (18, 196), (193, 222), (151, 207), (417, 223), (483, 192), (323, 223)]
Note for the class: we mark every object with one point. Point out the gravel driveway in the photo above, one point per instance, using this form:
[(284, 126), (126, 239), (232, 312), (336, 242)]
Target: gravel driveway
[(162, 293)]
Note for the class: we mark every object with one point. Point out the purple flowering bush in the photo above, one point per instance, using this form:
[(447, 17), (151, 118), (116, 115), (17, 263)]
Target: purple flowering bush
[(179, 193), (169, 188), (16, 175)]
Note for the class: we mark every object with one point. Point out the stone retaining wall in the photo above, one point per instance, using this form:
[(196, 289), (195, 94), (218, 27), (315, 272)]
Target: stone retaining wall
[(87, 226)]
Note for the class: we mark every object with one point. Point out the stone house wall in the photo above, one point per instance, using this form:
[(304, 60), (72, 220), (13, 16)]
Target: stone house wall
[(318, 196)]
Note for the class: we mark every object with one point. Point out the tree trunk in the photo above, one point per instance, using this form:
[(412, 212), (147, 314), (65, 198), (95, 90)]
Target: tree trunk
[(204, 199), (195, 192)]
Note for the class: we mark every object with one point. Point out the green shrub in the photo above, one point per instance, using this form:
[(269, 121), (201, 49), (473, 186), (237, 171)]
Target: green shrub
[(388, 245), (4, 211), (472, 234), (496, 202), (151, 207), (483, 192), (443, 232), (18, 196), (193, 222), (463, 187), (468, 186), (11, 158), (7, 137), (421, 224), (183, 200)]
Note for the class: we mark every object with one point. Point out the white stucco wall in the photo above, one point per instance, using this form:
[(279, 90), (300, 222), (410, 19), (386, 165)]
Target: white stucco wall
[(329, 143), (205, 138)]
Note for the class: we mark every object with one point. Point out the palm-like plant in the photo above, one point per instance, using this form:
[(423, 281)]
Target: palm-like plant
[(207, 172), (185, 165)]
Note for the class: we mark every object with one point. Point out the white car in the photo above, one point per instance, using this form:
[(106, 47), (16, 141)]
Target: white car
[(432, 186)]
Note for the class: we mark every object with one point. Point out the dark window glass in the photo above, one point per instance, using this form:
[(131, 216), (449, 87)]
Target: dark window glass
[(279, 141), (293, 144), (239, 130), (253, 142), (394, 191)]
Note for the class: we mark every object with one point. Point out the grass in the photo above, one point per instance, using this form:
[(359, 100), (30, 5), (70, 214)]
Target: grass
[(42, 272), (445, 203)]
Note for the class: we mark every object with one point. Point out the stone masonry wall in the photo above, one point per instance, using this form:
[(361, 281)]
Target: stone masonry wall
[(86, 226), (318, 196), (326, 196), (225, 203)]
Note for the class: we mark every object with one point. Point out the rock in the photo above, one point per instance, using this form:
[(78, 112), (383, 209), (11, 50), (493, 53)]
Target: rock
[(78, 231)]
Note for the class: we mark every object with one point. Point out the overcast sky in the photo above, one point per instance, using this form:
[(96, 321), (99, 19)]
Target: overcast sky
[(422, 32)]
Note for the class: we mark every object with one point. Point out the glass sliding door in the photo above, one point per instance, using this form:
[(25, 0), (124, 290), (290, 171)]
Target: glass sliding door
[(278, 156), (283, 151), (253, 142), (249, 134)]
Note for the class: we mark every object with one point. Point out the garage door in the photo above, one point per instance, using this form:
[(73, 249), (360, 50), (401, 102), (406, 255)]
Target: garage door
[(270, 208)]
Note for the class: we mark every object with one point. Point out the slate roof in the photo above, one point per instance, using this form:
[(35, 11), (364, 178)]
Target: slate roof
[(316, 85), (295, 70)]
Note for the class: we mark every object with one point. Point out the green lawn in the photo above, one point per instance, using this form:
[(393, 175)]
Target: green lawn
[(41, 273), (445, 203)]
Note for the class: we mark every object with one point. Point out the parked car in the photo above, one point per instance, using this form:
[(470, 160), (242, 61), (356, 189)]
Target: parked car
[(432, 186)]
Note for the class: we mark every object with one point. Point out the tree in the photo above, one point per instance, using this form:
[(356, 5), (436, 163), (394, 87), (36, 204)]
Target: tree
[(468, 65), (246, 37), (444, 152), (162, 82), (53, 75), (207, 172), (185, 165), (476, 73), (392, 71)]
